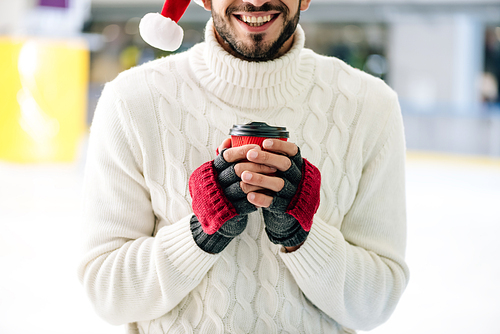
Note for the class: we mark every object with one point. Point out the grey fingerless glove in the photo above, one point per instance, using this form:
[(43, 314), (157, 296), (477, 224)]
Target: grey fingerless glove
[(281, 227), (237, 215)]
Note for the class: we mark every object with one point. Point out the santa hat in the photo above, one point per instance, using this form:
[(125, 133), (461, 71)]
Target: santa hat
[(161, 30)]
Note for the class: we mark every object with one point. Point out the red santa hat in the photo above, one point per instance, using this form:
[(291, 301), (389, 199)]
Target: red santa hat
[(161, 30)]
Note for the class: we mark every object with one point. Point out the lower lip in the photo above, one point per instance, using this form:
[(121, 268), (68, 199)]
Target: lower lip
[(261, 28)]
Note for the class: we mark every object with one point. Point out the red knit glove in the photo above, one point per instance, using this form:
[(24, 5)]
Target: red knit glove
[(210, 205), (220, 206)]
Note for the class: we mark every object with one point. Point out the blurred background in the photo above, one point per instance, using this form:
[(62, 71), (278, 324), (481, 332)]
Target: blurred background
[(442, 57)]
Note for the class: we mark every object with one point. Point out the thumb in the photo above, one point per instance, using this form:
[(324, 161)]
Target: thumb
[(227, 143)]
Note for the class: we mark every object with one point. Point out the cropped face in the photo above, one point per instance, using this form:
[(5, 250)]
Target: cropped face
[(256, 30)]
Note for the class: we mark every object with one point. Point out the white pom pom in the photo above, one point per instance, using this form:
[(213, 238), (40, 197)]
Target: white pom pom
[(161, 32)]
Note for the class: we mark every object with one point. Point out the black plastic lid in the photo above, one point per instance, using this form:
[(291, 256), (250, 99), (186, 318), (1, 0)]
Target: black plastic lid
[(259, 129)]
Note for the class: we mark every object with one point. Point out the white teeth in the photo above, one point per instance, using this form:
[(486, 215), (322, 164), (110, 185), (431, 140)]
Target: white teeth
[(256, 21)]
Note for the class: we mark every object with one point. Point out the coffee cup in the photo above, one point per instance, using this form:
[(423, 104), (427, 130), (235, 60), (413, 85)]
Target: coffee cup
[(256, 133)]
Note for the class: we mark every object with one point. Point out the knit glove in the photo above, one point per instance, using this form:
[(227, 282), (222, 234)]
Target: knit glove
[(219, 204), (290, 216)]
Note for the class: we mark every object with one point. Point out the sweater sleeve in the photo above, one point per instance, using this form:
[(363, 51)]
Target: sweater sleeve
[(128, 274), (357, 274)]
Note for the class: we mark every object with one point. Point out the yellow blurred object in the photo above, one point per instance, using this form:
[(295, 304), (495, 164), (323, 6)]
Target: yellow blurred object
[(130, 57), (43, 99)]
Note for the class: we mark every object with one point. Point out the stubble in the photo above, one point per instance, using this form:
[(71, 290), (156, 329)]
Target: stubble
[(258, 50)]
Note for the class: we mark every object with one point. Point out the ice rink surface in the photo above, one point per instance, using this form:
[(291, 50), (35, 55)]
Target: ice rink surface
[(453, 250)]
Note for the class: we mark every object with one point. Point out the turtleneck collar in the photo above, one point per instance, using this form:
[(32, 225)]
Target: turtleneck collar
[(254, 85)]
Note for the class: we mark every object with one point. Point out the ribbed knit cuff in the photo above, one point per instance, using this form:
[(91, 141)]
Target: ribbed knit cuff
[(321, 247), (210, 204), (210, 243), (292, 239), (306, 202), (177, 244)]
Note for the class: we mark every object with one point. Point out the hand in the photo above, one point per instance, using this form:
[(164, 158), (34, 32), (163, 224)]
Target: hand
[(233, 164), (220, 206), (276, 156), (288, 214), (237, 164)]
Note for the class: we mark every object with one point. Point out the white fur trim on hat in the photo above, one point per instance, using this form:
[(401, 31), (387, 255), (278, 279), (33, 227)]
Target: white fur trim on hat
[(161, 32)]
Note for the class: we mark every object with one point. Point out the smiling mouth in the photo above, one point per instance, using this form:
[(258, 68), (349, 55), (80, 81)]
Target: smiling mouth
[(253, 21)]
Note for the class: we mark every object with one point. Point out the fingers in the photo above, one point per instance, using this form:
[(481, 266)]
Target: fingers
[(281, 147), (270, 159), (259, 200), (239, 153), (266, 182), (248, 188), (252, 167), (239, 190)]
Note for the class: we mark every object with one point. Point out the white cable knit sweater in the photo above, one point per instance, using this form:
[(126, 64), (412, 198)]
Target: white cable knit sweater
[(158, 122)]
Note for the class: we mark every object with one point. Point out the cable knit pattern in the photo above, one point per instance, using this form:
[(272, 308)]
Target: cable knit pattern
[(267, 297), (242, 318), (157, 123)]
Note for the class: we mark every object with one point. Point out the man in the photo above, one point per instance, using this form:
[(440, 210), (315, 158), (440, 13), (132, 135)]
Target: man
[(180, 239)]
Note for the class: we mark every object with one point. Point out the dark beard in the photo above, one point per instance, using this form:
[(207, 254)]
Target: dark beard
[(258, 51)]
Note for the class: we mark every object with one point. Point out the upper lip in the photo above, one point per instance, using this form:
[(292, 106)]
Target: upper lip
[(256, 14)]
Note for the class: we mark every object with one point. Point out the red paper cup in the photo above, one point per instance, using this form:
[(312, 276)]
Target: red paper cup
[(245, 140), (256, 133)]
